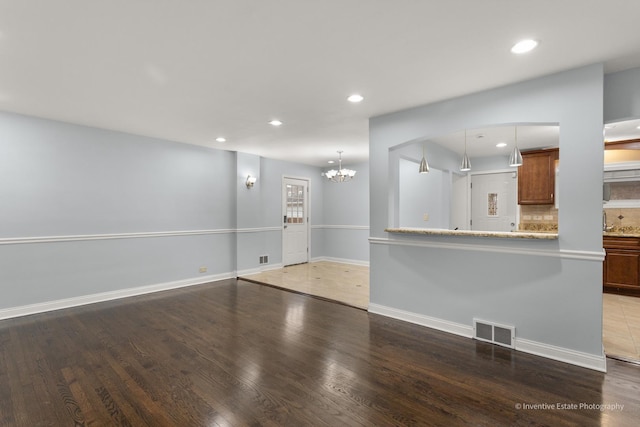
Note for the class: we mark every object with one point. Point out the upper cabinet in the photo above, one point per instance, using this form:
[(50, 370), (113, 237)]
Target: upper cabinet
[(537, 177)]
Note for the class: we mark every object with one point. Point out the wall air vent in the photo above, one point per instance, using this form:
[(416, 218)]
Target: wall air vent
[(494, 333)]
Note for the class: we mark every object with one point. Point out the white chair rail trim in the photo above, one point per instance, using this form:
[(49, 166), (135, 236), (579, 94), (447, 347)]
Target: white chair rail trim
[(559, 253), (138, 235)]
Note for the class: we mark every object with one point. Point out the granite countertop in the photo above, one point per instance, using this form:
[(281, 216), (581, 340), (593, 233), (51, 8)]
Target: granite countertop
[(474, 233), (619, 234), (626, 231)]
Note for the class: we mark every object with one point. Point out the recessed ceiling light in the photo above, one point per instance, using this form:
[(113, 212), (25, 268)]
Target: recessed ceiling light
[(501, 144), (275, 122), (355, 98), (524, 46), (221, 139), (638, 127), (331, 162)]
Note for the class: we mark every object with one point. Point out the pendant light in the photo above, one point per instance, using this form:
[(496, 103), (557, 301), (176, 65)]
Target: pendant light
[(516, 156), (424, 166), (465, 166)]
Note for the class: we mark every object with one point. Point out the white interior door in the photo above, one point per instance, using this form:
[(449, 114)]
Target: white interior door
[(459, 202), (494, 201), (295, 233)]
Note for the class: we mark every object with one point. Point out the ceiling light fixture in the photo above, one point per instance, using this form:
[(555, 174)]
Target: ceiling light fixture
[(355, 98), (340, 175), (501, 144), (466, 163), (424, 166), (331, 162), (275, 122), (516, 156), (524, 46), (221, 139)]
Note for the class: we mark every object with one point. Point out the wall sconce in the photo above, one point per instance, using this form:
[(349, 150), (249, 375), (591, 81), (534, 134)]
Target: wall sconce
[(250, 181)]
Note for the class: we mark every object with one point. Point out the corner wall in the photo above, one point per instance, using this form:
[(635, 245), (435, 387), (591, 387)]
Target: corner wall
[(551, 291), (88, 215), (344, 231), (90, 212)]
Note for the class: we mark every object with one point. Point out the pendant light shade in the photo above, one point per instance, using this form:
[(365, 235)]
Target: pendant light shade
[(465, 166), (466, 163), (424, 166), (515, 159)]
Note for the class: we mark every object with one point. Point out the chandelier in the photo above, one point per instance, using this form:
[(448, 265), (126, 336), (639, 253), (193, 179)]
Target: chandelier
[(340, 175)]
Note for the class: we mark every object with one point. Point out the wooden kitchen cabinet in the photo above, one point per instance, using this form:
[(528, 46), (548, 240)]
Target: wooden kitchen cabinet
[(621, 268), (537, 177)]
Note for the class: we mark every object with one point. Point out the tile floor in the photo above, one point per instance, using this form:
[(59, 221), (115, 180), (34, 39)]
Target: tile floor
[(621, 326), (346, 283), (349, 284)]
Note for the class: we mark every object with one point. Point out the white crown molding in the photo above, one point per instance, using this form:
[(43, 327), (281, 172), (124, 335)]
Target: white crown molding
[(559, 253), (578, 358), (42, 307)]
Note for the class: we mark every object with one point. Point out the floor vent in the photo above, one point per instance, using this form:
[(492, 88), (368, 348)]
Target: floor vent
[(494, 333)]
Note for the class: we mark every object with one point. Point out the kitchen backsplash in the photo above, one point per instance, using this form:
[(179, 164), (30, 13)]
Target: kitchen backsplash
[(621, 218), (538, 218)]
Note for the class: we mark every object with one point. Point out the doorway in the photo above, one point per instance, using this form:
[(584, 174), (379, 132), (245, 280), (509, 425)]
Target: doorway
[(494, 201), (295, 230)]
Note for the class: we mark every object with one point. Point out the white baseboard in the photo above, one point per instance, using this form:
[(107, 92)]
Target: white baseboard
[(420, 319), (270, 267), (578, 358), (60, 304), (573, 357), (266, 267), (341, 260)]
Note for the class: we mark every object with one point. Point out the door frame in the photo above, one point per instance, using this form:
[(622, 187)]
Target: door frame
[(284, 212), (491, 172)]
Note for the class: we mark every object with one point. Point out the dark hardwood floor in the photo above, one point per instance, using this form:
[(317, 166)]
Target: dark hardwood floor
[(235, 353)]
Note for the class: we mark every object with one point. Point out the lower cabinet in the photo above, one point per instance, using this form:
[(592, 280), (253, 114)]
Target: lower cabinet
[(621, 269)]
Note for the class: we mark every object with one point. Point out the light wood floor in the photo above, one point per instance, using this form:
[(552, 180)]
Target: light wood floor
[(345, 283), (349, 284), (621, 326)]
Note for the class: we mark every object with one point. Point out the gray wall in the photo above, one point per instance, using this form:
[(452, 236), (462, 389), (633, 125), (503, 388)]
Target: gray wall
[(422, 194), (553, 300), (85, 211), (261, 207), (64, 180), (344, 231), (622, 95)]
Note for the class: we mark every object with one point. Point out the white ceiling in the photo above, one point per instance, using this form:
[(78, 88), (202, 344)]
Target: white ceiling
[(191, 71), (482, 142)]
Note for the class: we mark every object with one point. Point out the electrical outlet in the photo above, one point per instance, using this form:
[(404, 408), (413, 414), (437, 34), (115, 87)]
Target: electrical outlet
[(203, 269), (425, 217)]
